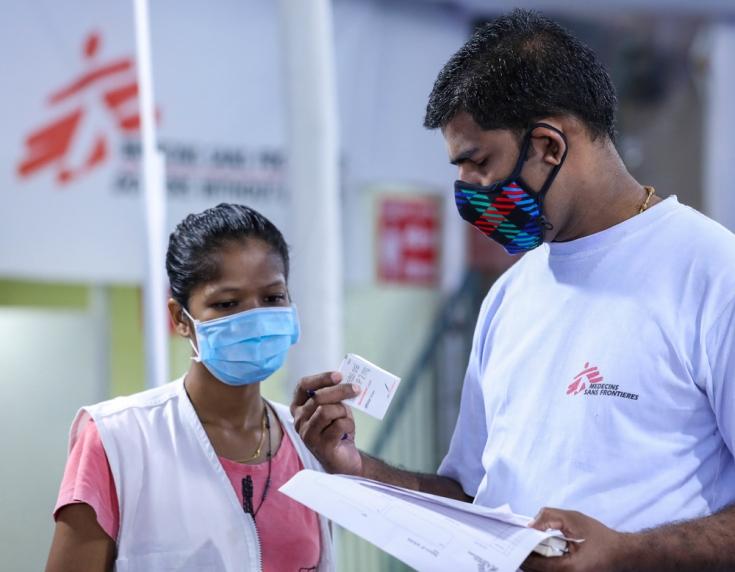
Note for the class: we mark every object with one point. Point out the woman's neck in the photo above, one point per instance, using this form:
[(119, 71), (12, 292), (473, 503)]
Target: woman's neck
[(222, 405)]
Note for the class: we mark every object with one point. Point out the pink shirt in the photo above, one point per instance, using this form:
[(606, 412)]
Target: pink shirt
[(288, 531)]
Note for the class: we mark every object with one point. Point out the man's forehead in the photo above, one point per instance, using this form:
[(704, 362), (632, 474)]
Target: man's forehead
[(463, 136), (461, 124)]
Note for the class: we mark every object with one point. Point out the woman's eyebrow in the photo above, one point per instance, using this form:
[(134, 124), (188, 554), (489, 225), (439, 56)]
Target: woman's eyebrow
[(222, 290), (226, 289)]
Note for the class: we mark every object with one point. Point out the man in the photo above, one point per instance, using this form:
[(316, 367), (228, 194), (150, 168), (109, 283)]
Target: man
[(601, 375)]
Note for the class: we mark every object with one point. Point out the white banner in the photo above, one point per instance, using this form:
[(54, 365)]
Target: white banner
[(70, 208), (70, 205)]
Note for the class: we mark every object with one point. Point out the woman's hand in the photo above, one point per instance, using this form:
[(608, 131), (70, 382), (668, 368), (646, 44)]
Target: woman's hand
[(325, 424)]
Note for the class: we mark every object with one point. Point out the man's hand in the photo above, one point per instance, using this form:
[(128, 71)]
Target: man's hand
[(600, 551), (325, 424)]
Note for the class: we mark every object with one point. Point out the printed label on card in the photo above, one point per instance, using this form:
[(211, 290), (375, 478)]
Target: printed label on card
[(377, 385)]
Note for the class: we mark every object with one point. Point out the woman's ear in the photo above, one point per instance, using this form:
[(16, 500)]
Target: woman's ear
[(181, 322)]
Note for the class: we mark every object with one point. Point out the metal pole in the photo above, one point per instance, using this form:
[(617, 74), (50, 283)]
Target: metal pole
[(155, 320), (719, 125), (313, 179)]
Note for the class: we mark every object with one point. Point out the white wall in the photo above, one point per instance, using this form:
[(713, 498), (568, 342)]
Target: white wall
[(388, 56), (48, 371)]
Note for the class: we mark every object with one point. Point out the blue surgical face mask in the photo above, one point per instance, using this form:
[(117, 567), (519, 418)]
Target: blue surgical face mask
[(246, 347)]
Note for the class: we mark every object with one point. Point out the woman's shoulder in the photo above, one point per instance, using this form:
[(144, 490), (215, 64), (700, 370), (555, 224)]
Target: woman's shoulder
[(147, 398), (105, 411)]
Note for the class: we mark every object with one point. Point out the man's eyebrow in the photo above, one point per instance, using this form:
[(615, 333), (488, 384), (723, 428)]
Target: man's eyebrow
[(463, 156)]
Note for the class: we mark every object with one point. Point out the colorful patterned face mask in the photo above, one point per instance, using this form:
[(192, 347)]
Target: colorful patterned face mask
[(509, 211)]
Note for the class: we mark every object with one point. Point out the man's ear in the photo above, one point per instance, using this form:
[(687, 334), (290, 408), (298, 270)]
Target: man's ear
[(549, 144), (181, 322)]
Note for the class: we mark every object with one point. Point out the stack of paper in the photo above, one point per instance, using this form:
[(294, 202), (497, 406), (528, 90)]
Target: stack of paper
[(425, 531)]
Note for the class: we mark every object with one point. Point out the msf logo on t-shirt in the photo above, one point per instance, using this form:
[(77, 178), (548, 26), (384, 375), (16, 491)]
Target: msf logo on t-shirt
[(587, 375), (589, 381)]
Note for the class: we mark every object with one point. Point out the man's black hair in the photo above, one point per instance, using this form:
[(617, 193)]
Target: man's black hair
[(192, 259), (520, 68)]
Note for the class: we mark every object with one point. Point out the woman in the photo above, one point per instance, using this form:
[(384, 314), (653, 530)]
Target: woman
[(186, 476)]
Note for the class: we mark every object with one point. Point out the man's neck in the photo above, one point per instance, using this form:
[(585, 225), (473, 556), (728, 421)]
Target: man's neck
[(604, 201)]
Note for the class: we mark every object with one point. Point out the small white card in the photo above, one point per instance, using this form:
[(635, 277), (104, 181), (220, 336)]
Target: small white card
[(378, 386)]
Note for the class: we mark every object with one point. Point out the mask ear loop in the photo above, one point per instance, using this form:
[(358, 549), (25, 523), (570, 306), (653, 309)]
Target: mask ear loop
[(196, 357), (522, 156), (554, 172)]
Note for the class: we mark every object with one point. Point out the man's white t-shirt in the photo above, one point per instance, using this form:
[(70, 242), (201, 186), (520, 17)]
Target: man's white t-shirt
[(602, 376)]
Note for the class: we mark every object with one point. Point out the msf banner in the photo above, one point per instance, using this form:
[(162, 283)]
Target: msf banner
[(70, 155)]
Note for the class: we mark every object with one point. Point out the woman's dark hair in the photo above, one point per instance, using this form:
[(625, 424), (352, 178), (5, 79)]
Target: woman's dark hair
[(520, 68), (192, 247)]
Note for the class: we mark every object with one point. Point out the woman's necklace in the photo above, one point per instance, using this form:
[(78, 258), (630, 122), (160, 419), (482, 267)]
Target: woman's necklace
[(247, 482), (263, 427)]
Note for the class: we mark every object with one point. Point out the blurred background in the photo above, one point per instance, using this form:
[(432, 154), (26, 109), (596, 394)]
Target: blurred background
[(310, 112)]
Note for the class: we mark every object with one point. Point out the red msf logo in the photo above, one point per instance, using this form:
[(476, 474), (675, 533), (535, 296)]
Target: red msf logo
[(591, 374), (115, 89)]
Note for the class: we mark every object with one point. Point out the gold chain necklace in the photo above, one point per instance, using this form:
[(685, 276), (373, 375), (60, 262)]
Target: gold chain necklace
[(650, 191), (260, 444)]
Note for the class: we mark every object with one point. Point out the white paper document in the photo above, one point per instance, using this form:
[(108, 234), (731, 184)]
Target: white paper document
[(377, 386), (425, 531)]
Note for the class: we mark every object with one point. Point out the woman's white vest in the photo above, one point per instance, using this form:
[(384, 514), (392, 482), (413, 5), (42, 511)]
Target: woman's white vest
[(178, 510)]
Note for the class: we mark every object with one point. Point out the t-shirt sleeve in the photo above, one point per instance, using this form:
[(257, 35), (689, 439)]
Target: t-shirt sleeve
[(720, 348), (88, 479), (463, 461)]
